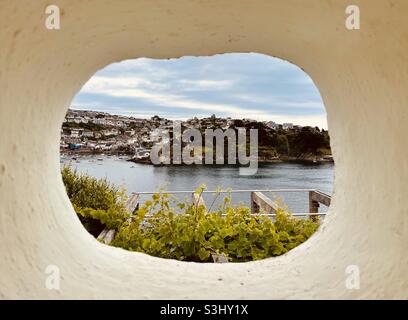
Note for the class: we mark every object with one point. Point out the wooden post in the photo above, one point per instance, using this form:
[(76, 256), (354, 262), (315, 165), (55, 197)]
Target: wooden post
[(219, 258), (315, 198), (254, 206), (132, 205), (260, 202), (313, 206)]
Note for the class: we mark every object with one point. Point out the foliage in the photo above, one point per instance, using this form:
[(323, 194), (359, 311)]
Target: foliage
[(191, 232), (97, 202), (184, 230), (297, 142), (308, 140)]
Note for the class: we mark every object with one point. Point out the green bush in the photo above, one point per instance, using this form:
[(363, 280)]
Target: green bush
[(168, 228), (190, 232), (98, 203)]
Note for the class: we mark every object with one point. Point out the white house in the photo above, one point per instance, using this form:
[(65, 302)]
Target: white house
[(130, 132), (287, 126), (87, 133), (272, 125), (76, 133), (100, 121), (111, 132)]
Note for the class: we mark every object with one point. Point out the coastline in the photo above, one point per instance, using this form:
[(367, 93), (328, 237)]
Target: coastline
[(307, 159), (291, 160)]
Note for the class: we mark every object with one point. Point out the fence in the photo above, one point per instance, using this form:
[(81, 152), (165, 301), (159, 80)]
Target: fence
[(260, 204)]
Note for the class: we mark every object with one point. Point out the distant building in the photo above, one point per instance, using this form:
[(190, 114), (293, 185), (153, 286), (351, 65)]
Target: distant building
[(287, 126), (91, 145), (70, 119), (110, 122), (76, 133), (272, 125), (111, 132), (88, 134), (99, 121), (130, 132)]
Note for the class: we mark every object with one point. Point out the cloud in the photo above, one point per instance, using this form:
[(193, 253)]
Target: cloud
[(199, 85), (237, 85), (130, 88)]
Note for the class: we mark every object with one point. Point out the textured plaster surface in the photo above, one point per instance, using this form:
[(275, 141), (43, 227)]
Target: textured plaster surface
[(363, 79)]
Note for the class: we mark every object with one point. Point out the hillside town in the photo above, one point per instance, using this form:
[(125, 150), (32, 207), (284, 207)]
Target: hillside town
[(92, 132)]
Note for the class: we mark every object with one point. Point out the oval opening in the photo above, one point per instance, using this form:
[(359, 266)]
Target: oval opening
[(210, 159)]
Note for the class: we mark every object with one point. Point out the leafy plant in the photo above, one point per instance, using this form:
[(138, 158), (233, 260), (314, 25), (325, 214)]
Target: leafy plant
[(184, 230), (195, 233), (98, 203)]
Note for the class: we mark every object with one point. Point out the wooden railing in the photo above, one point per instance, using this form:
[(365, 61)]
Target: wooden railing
[(132, 205), (260, 204), (316, 198)]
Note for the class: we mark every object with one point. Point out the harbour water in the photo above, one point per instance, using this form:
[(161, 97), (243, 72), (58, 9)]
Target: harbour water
[(143, 177)]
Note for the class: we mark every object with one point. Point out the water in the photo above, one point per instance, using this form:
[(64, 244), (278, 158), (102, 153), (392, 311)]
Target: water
[(141, 177)]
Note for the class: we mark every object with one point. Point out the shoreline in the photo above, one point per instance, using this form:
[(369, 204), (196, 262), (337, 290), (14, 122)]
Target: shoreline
[(306, 160)]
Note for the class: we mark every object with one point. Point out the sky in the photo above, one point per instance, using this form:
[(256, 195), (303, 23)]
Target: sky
[(237, 85)]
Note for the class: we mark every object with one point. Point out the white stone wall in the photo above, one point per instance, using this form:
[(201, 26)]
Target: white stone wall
[(362, 76)]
